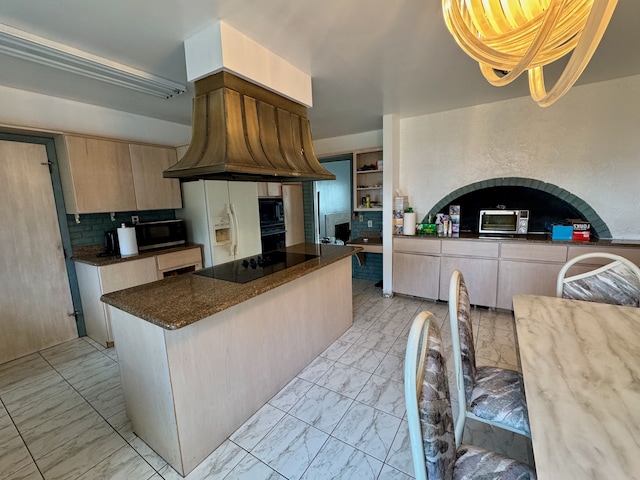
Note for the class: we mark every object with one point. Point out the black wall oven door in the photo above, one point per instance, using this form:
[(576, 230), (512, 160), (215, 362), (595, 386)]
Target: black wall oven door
[(273, 238)]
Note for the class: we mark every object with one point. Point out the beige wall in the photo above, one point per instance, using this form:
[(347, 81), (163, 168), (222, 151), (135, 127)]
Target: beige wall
[(587, 143)]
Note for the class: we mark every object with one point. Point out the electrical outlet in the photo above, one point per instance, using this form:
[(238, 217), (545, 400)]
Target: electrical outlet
[(135, 219), (369, 223), (361, 218)]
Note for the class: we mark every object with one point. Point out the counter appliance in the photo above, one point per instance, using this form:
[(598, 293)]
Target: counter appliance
[(163, 233), (513, 222), (222, 216), (110, 243)]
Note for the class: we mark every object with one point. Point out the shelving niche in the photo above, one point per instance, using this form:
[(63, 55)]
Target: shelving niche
[(367, 179)]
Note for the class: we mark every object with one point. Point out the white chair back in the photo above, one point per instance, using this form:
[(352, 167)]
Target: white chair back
[(459, 302), (428, 403), (617, 282)]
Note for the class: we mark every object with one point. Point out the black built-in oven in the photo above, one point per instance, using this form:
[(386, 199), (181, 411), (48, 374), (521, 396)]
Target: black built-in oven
[(272, 238), (272, 229), (271, 211)]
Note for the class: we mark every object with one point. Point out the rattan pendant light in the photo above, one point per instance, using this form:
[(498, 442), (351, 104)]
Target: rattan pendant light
[(508, 37)]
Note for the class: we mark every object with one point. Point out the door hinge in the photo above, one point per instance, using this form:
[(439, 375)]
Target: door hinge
[(75, 313)]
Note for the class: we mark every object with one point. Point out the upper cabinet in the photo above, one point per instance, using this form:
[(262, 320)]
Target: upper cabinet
[(367, 180), (104, 175), (153, 191), (269, 189), (96, 175)]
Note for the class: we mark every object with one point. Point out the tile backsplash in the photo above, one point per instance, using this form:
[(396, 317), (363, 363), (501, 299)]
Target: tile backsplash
[(92, 226)]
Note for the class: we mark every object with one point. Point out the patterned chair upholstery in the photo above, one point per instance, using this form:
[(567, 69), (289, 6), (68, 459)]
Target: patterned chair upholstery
[(491, 395), (617, 283), (433, 447)]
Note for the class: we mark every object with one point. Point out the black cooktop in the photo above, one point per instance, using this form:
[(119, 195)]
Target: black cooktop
[(251, 268)]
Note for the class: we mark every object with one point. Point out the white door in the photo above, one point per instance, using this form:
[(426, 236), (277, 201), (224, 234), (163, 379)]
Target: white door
[(35, 299), (243, 197)]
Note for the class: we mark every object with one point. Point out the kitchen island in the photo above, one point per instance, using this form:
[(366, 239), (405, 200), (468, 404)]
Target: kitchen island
[(198, 356)]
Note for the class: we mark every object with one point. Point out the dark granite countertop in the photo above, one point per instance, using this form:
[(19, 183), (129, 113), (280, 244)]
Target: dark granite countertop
[(534, 238), (178, 301), (364, 241), (89, 254)]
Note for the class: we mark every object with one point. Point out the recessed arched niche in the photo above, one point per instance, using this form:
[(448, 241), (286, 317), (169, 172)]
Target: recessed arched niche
[(547, 203)]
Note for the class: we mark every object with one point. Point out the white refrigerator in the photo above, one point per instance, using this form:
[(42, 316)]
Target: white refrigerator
[(223, 216)]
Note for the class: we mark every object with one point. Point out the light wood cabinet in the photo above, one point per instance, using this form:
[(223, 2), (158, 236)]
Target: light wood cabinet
[(152, 190), (96, 175), (293, 213), (478, 262), (480, 275), (530, 269), (630, 253), (521, 277), (95, 281), (167, 263), (367, 179), (104, 175), (416, 274), (269, 189), (416, 267), (494, 271)]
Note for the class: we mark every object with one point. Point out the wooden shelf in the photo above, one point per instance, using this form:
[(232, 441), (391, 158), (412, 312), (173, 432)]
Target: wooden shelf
[(363, 180)]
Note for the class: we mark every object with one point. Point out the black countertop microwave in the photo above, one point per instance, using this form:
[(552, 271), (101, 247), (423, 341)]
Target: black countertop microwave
[(165, 233)]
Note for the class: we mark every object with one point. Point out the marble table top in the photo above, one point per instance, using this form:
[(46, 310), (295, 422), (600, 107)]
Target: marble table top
[(581, 369)]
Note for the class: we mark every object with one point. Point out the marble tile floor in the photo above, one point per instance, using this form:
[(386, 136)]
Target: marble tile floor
[(343, 417)]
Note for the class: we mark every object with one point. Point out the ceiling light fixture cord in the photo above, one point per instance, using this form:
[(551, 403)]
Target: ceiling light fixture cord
[(515, 36)]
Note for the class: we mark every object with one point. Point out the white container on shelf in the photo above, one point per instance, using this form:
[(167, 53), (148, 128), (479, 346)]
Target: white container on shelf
[(409, 227)]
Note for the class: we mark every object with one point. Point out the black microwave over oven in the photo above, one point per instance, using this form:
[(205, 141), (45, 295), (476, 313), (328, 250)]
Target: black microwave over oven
[(165, 233), (271, 211)]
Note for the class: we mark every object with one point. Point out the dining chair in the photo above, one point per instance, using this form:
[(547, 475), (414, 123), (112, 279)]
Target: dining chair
[(436, 455), (617, 282), (491, 395)]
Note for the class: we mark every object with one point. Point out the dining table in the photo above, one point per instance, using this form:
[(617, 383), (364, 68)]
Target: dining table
[(581, 368)]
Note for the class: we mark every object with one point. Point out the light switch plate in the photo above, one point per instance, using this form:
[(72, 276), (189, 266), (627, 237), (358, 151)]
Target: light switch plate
[(369, 223), (361, 218)]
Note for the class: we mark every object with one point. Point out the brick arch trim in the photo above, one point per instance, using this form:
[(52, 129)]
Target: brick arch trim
[(597, 224)]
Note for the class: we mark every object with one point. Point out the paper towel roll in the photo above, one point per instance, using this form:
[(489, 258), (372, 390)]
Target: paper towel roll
[(127, 241), (409, 227)]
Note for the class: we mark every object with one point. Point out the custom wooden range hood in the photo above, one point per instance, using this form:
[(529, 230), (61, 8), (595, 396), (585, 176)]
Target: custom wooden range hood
[(241, 131)]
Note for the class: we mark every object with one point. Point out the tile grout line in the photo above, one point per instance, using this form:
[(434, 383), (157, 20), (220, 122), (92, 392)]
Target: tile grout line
[(98, 413)]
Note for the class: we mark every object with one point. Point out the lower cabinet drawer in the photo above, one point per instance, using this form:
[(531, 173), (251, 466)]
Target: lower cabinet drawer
[(168, 261)]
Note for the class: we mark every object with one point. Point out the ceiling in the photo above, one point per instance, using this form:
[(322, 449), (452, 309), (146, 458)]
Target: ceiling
[(366, 58)]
